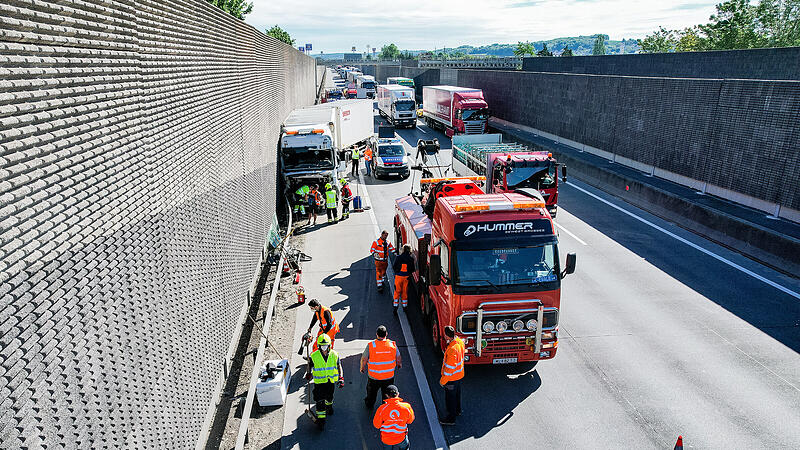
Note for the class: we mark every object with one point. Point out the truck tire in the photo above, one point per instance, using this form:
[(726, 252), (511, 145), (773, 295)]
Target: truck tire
[(435, 334)]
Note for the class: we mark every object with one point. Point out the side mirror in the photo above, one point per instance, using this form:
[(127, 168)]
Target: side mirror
[(570, 266), (435, 270), (408, 153), (563, 173)]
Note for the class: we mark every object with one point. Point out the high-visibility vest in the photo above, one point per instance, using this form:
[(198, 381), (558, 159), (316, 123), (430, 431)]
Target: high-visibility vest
[(379, 249), (325, 370), (453, 364), (321, 319), (355, 154), (330, 199), (382, 359), (302, 191), (368, 154), (392, 418)]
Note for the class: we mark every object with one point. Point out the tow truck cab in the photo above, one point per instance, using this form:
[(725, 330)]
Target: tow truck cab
[(494, 274)]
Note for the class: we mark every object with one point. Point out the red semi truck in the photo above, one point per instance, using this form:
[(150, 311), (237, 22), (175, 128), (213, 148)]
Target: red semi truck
[(509, 167), (455, 110), (488, 265)]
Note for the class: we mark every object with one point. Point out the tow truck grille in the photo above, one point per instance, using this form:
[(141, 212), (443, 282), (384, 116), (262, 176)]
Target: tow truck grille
[(506, 346)]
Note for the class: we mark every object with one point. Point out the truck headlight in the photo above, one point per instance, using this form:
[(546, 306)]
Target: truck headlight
[(549, 334), (531, 325), (488, 326), (517, 325), (502, 327)]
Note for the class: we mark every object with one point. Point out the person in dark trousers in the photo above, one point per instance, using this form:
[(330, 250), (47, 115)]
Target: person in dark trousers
[(403, 267), (331, 198), (327, 323), (325, 368), (393, 418), (452, 373), (313, 198), (379, 361), (356, 156), (346, 196)]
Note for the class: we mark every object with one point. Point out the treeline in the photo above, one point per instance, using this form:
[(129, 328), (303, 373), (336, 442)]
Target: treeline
[(738, 24)]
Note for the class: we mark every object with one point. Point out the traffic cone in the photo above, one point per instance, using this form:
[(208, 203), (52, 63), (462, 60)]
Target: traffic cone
[(679, 443)]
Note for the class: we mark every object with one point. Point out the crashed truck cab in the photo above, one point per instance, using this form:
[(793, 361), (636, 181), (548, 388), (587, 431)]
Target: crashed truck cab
[(494, 273)]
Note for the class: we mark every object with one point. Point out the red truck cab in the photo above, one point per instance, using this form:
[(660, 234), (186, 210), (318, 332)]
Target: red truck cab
[(488, 266), (455, 110)]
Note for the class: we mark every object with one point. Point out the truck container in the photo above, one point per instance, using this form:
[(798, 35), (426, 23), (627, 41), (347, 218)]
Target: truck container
[(402, 81), (488, 265), (396, 103), (365, 84), (455, 110), (353, 75), (509, 167)]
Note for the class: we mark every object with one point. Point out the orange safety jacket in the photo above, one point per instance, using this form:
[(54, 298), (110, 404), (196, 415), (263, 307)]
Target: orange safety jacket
[(382, 359), (392, 418), (453, 364), (368, 154), (380, 248), (323, 323)]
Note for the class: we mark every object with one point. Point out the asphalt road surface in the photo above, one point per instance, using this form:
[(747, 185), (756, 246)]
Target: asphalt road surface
[(662, 333)]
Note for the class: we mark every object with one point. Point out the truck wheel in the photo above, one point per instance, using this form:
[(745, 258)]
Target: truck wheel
[(437, 339)]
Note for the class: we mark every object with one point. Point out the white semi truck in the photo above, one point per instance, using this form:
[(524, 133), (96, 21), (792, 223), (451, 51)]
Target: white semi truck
[(315, 139), (396, 103), (365, 86), (353, 75)]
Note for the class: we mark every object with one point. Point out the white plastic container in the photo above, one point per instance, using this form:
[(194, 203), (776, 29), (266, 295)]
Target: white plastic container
[(272, 391)]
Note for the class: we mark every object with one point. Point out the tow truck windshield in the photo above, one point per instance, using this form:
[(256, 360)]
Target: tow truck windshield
[(504, 269)]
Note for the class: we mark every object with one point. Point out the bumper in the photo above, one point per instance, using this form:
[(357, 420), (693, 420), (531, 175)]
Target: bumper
[(408, 122), (506, 356), (402, 171)]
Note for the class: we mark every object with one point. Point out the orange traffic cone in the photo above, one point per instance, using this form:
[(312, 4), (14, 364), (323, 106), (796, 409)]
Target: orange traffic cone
[(679, 443)]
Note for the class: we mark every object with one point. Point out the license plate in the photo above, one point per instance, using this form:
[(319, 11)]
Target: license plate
[(504, 360), (394, 173)]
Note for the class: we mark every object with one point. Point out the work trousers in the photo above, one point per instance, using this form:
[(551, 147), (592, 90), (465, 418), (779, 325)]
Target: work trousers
[(372, 390), (323, 396), (400, 290), (332, 215), (299, 204), (380, 271), (345, 209), (452, 398), (402, 445), (355, 167)]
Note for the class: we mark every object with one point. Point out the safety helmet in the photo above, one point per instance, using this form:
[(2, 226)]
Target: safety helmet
[(327, 186), (324, 339)]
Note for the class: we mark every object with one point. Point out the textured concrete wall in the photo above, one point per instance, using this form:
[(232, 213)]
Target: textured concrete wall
[(760, 64), (741, 135), (137, 183)]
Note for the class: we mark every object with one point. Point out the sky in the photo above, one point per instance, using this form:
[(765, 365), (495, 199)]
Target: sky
[(336, 26)]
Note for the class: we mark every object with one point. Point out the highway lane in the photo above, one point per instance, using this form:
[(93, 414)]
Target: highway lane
[(657, 339)]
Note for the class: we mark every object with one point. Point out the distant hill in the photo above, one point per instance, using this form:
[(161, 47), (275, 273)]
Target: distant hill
[(580, 45)]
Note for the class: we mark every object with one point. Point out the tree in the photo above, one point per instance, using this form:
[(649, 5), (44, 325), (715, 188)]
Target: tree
[(280, 34), (544, 51), (661, 41), (236, 8), (690, 40), (566, 52), (779, 22), (599, 45), (524, 48), (733, 26), (389, 52)]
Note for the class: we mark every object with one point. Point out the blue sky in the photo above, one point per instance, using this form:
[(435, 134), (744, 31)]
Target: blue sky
[(336, 26)]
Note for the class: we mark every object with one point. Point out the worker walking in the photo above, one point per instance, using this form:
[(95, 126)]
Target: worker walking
[(300, 199), (327, 323), (380, 252), (325, 368), (393, 418), (403, 267), (379, 360), (368, 159), (452, 373), (356, 155), (347, 195), (331, 198)]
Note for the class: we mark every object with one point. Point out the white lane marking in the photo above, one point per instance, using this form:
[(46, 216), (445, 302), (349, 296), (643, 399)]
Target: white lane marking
[(420, 129), (571, 234), (416, 362), (693, 245)]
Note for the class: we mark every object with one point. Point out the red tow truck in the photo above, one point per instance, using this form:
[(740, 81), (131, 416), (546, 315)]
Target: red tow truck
[(488, 265), (509, 167)]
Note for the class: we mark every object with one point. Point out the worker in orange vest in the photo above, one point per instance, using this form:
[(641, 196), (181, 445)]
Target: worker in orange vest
[(327, 324), (368, 159), (403, 268), (379, 360), (380, 252), (452, 373), (392, 418)]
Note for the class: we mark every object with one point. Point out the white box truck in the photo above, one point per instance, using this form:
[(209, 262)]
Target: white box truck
[(365, 86), (353, 75), (396, 103)]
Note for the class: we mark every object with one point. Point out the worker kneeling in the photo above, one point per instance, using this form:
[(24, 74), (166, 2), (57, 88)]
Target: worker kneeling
[(327, 323), (325, 368), (392, 418)]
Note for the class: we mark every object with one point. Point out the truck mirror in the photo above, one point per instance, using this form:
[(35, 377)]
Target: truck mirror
[(570, 266), (435, 270), (564, 174), (408, 153)]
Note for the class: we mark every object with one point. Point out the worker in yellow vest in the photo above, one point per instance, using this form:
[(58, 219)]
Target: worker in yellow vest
[(325, 368)]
